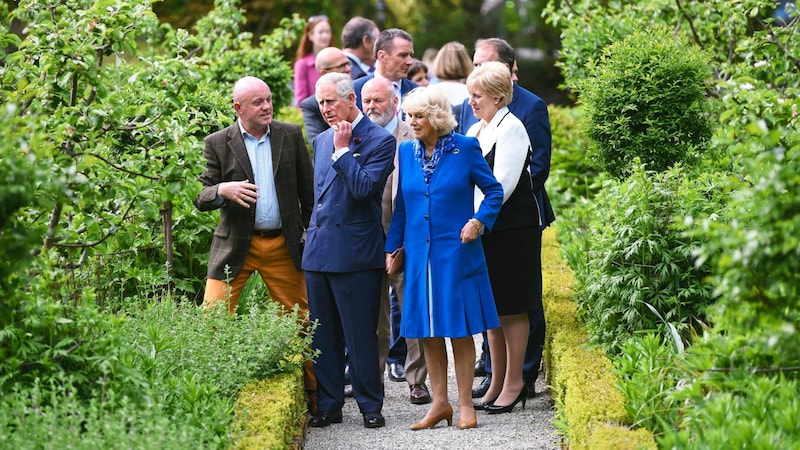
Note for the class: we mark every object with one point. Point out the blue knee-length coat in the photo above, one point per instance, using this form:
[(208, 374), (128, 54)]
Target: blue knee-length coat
[(447, 291)]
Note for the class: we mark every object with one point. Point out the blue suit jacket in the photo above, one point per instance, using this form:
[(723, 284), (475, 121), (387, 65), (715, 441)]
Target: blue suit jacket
[(345, 232), (532, 111), (406, 86)]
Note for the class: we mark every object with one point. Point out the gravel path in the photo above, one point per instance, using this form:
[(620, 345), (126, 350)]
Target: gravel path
[(531, 428)]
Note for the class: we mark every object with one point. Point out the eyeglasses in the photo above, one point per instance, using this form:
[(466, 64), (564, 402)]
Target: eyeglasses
[(316, 18), (337, 67)]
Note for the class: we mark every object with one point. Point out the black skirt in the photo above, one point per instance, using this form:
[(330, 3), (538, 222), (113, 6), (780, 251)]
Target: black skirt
[(513, 258)]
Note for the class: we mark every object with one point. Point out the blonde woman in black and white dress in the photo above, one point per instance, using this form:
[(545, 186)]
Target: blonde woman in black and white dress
[(511, 245)]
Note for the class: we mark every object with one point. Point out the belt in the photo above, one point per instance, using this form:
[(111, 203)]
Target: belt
[(267, 233)]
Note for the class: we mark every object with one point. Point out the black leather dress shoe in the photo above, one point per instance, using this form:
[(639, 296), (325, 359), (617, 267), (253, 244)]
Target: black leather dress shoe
[(480, 367), (324, 419), (374, 420), (530, 385), (397, 372), (420, 394), (480, 391)]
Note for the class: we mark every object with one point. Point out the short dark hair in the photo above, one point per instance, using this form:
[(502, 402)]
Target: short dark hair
[(504, 50), (385, 40), (355, 29)]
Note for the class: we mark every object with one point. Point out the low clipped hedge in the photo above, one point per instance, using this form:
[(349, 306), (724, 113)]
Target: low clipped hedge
[(271, 414), (591, 409)]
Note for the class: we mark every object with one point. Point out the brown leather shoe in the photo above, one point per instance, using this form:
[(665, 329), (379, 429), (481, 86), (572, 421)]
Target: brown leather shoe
[(419, 394)]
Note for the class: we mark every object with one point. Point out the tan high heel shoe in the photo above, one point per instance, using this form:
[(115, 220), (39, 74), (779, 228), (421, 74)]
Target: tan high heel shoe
[(445, 414), (465, 424)]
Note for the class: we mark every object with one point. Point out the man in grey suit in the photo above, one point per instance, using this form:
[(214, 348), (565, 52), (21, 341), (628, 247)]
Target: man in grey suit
[(343, 257), (380, 105), (259, 175)]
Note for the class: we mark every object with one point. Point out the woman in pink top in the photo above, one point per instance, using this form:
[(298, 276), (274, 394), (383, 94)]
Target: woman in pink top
[(316, 36)]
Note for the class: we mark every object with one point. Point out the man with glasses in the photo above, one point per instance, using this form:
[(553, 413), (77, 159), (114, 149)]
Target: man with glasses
[(329, 59)]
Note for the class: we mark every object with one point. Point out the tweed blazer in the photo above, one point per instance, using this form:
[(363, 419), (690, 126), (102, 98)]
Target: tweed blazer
[(227, 160)]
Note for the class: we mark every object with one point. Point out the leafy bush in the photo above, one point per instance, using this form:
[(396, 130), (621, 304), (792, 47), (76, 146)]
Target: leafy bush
[(645, 98), (44, 417), (126, 102), (571, 176), (177, 368), (748, 365), (648, 371), (637, 271)]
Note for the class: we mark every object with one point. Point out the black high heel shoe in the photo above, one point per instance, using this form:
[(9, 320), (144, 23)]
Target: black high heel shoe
[(480, 406), (497, 409)]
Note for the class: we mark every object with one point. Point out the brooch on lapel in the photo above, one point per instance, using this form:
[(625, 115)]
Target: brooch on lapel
[(357, 140), (455, 151)]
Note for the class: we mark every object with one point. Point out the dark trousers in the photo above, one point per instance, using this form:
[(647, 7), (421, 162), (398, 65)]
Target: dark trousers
[(346, 307), (397, 346), (533, 354)]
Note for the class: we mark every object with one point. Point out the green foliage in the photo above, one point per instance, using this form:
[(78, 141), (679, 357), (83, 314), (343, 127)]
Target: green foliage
[(634, 255), (174, 367), (648, 371), (19, 176), (104, 113), (44, 417), (571, 177), (645, 98), (740, 375), (734, 216), (270, 413), (126, 102)]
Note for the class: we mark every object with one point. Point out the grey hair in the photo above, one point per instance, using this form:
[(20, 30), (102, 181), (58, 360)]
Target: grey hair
[(342, 81)]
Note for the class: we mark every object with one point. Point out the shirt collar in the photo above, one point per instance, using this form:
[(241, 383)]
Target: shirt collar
[(246, 133), (392, 125)]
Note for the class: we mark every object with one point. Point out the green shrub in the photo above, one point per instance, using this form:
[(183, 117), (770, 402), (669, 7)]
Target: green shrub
[(46, 418), (645, 99), (648, 371), (271, 414), (637, 271), (743, 375), (582, 384), (571, 177)]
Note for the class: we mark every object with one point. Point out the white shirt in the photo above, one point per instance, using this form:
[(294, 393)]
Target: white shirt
[(506, 133)]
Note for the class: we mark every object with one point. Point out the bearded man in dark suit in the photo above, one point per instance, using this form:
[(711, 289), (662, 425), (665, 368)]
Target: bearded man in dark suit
[(259, 175)]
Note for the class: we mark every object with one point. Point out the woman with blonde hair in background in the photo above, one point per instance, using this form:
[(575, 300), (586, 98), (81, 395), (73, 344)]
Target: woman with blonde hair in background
[(451, 67)]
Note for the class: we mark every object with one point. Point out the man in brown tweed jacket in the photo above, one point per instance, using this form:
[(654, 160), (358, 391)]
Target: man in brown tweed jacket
[(259, 175)]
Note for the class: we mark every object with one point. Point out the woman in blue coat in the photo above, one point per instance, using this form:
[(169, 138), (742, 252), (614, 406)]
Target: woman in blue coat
[(447, 291)]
